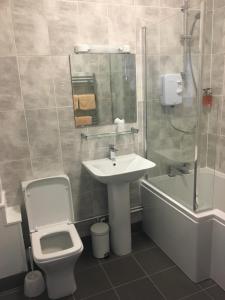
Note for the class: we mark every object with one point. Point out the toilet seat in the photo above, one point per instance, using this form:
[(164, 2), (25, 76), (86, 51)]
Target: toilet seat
[(36, 237)]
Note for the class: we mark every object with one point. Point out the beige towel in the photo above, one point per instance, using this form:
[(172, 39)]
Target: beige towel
[(75, 102), (83, 121), (87, 102)]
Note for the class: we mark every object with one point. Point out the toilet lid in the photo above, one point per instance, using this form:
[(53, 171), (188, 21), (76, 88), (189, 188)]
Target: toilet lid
[(48, 201)]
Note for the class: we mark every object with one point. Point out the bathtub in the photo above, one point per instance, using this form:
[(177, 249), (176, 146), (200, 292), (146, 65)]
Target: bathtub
[(195, 241)]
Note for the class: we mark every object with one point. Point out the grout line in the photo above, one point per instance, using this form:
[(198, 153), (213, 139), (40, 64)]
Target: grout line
[(163, 270), (148, 277), (193, 294), (21, 90), (96, 294), (108, 278), (60, 153)]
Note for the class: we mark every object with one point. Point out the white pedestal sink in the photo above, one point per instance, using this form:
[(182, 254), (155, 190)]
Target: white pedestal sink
[(117, 175)]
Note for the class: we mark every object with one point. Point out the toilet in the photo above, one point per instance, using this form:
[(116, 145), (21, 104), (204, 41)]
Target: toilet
[(56, 244)]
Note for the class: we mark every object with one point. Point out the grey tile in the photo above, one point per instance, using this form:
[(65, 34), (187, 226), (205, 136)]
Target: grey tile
[(86, 260), (10, 93), (110, 295), (174, 284), (13, 136), (37, 82), (170, 31), (207, 283), (217, 73), (30, 27), (6, 30), (199, 296), (47, 166), (219, 4), (147, 2), (91, 282), (212, 150), (92, 19), (216, 293), (12, 174), (140, 241), (220, 154), (122, 26), (43, 132), (219, 31), (123, 270), (153, 260), (141, 289), (62, 25), (62, 81), (170, 3)]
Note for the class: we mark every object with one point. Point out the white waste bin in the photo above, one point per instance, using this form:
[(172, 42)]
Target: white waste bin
[(100, 239)]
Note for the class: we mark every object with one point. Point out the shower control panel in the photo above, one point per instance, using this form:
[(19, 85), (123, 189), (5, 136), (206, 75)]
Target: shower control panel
[(171, 89)]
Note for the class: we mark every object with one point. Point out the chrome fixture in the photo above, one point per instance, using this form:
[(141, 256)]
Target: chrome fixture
[(86, 48), (112, 152)]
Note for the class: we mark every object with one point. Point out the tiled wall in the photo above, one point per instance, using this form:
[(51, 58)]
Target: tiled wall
[(37, 131), (216, 132), (166, 145)]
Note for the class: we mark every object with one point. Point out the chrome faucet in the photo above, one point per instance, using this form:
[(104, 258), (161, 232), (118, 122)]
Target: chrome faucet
[(112, 152)]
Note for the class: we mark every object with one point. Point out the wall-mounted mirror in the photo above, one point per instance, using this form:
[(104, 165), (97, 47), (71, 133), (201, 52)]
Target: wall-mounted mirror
[(103, 88)]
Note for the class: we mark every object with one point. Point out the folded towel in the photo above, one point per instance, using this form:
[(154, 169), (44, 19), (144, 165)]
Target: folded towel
[(87, 102), (83, 121), (75, 102)]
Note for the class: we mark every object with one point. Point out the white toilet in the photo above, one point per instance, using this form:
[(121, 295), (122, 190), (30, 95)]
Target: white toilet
[(56, 245)]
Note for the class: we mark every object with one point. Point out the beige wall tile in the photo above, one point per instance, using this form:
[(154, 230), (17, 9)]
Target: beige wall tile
[(12, 174), (43, 132), (62, 22), (36, 74), (10, 93), (93, 21), (30, 27), (6, 30), (13, 136), (122, 28)]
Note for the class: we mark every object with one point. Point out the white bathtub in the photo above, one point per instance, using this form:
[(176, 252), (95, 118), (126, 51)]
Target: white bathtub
[(194, 241)]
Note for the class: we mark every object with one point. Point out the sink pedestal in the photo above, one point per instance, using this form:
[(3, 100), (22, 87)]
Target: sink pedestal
[(119, 218)]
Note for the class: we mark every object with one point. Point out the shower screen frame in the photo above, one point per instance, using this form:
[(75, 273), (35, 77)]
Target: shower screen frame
[(197, 132)]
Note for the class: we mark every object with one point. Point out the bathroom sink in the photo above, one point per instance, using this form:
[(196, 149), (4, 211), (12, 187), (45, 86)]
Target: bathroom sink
[(125, 168), (117, 174)]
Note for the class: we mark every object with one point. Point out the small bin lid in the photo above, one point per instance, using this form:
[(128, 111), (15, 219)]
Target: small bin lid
[(48, 201), (100, 228)]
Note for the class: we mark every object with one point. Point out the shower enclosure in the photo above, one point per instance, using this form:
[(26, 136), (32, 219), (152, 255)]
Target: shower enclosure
[(176, 132)]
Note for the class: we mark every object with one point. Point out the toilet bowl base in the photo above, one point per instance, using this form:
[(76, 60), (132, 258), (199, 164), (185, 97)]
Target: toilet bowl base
[(60, 279)]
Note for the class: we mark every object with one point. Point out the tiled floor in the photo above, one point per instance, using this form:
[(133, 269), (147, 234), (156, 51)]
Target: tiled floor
[(146, 274)]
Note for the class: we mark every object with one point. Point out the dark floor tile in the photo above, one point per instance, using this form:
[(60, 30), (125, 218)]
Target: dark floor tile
[(174, 284), (19, 295), (90, 282), (207, 283), (141, 241), (153, 260), (198, 296), (123, 270), (110, 295), (86, 260), (110, 258), (216, 293), (12, 282), (139, 290)]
